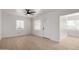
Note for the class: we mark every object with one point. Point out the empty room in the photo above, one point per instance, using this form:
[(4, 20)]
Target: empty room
[(39, 29)]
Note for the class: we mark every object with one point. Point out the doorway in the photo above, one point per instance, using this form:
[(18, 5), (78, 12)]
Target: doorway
[(69, 26), (41, 28)]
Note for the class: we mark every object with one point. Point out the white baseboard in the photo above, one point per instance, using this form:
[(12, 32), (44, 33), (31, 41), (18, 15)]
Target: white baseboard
[(15, 36)]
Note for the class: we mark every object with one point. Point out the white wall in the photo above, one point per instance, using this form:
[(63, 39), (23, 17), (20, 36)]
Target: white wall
[(0, 24), (53, 26), (9, 25), (63, 32), (73, 32), (53, 22)]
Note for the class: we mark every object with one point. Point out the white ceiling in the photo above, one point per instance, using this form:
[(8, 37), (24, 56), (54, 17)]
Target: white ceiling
[(20, 12)]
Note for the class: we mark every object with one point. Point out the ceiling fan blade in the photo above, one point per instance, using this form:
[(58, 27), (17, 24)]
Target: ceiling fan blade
[(32, 12), (29, 12)]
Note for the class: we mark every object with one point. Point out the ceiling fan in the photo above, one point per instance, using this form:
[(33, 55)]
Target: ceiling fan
[(29, 12)]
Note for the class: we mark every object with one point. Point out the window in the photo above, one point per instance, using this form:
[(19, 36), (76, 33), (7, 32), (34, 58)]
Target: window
[(73, 24), (19, 24), (70, 23), (37, 25)]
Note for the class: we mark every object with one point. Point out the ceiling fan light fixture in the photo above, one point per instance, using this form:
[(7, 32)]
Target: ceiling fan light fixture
[(31, 11)]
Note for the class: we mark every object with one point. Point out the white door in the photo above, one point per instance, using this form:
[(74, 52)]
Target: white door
[(45, 28)]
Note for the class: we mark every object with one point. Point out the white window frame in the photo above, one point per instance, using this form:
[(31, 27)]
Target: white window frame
[(73, 24), (19, 24), (37, 24)]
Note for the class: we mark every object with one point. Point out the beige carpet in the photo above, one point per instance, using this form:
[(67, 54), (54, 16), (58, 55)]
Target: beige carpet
[(38, 43)]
